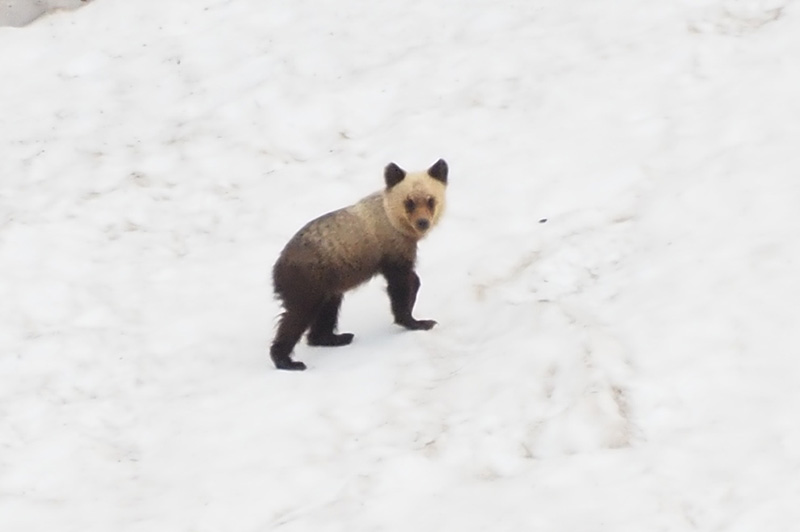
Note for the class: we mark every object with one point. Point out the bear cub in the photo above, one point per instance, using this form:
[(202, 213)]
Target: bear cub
[(345, 248)]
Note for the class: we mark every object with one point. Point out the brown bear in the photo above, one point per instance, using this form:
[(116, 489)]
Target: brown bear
[(345, 248)]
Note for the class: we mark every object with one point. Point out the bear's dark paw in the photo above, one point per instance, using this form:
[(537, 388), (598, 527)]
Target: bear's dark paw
[(331, 340), (417, 325), (289, 364)]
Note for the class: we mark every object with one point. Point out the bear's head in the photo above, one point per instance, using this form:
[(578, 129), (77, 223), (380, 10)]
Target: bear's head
[(414, 202)]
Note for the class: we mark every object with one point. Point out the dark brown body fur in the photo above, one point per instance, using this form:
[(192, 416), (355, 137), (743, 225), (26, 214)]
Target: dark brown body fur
[(331, 255)]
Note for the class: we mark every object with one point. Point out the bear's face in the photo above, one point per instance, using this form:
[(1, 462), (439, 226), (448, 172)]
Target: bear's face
[(414, 202)]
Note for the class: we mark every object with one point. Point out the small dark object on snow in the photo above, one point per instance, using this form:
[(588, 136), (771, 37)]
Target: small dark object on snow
[(543, 220)]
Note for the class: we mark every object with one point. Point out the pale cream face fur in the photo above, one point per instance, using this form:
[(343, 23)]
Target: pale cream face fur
[(417, 197)]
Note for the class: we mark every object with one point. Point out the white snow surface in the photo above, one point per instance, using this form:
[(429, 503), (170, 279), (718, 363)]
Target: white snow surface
[(22, 12), (630, 364)]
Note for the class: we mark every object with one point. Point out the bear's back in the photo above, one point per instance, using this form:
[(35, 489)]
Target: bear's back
[(346, 247)]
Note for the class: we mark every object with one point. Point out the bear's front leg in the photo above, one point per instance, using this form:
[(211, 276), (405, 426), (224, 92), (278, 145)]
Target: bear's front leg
[(403, 286)]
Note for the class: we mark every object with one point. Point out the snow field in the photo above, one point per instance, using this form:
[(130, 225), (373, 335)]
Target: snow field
[(628, 364)]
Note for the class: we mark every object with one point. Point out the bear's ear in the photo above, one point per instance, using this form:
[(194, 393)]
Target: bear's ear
[(439, 171), (393, 174)]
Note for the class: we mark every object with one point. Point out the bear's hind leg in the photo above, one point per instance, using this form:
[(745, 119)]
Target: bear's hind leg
[(321, 332), (293, 323)]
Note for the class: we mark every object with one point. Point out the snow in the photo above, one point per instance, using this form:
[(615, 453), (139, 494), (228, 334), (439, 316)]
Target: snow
[(21, 12), (629, 364)]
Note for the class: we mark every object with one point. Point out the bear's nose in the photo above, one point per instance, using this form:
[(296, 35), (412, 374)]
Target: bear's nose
[(423, 225)]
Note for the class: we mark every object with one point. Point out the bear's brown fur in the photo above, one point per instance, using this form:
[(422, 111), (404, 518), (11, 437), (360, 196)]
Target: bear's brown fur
[(345, 248)]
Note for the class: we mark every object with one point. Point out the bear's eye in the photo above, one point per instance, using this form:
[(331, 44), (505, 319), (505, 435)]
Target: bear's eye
[(409, 205), (431, 203)]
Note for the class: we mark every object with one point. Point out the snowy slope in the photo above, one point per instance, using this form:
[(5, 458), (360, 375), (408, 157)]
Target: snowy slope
[(629, 364), (22, 12)]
